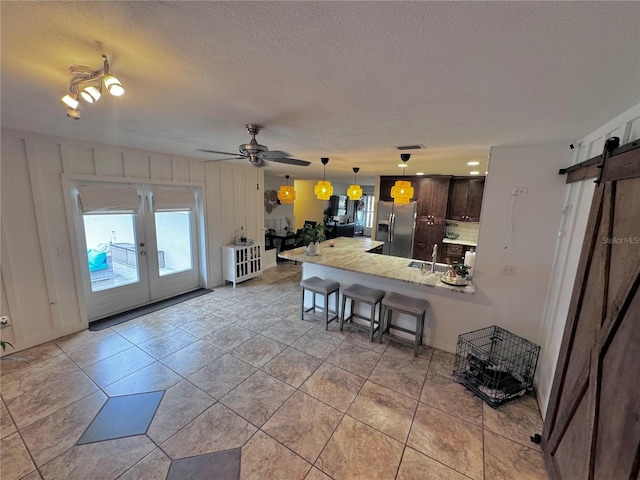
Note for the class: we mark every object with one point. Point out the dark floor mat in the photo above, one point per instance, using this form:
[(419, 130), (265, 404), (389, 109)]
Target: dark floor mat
[(146, 309)]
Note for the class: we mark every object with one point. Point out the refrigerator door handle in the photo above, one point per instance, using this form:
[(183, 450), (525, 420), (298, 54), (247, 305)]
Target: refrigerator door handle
[(389, 227), (393, 225)]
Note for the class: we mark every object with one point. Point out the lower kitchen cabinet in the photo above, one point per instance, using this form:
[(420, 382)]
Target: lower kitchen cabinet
[(455, 251), (426, 236)]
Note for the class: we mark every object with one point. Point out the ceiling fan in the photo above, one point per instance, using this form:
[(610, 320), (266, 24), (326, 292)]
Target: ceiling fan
[(257, 154)]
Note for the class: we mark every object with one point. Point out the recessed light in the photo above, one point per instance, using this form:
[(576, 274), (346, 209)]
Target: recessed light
[(402, 165), (420, 173), (475, 172), (473, 164)]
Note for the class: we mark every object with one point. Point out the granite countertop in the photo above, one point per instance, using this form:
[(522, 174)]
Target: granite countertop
[(460, 242), (351, 254)]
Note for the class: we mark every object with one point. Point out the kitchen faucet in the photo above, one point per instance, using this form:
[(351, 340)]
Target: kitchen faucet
[(434, 254)]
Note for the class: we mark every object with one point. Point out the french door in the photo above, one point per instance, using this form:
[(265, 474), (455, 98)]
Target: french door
[(137, 244)]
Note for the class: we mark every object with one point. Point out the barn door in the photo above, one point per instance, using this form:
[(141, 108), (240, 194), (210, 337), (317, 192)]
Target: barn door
[(592, 427)]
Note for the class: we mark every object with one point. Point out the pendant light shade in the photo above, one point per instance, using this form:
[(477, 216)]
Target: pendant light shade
[(402, 191), (355, 191), (323, 189), (286, 194)]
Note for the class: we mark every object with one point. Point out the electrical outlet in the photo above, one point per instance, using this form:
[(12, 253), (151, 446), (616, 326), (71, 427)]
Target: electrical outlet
[(519, 191), (5, 321), (509, 270)]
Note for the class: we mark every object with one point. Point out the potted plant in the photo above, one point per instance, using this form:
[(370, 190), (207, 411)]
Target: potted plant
[(461, 272), (3, 344), (311, 236)]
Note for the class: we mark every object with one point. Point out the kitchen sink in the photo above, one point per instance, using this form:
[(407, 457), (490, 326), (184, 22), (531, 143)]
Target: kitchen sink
[(440, 267)]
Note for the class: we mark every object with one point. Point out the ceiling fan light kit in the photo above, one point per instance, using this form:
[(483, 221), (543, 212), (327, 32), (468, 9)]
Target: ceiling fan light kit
[(323, 189), (402, 191), (287, 193), (355, 191), (86, 84)]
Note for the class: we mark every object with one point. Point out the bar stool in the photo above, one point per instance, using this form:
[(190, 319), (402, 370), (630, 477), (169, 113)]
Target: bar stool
[(318, 286), (371, 296), (399, 303)]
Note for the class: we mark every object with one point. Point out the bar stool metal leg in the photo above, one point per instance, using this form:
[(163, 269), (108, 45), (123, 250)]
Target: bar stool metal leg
[(326, 311), (344, 303)]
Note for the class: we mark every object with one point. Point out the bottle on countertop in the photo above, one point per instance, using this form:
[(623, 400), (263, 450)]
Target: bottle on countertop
[(243, 237)]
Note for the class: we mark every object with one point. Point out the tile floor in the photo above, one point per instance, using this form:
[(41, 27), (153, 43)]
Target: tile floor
[(250, 391)]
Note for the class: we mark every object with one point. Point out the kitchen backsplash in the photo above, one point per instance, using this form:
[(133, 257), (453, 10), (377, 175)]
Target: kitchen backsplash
[(467, 231)]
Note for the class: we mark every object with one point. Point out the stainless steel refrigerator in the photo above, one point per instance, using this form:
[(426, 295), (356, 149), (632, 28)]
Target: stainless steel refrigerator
[(395, 226)]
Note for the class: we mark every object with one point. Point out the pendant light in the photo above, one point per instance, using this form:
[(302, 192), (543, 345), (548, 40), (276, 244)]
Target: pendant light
[(323, 188), (287, 193), (402, 191), (355, 191)]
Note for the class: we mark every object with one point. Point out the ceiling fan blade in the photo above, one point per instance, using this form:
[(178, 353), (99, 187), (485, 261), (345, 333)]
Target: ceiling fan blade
[(290, 161), (274, 154), (222, 153)]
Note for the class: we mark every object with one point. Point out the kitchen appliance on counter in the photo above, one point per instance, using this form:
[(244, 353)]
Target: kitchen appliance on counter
[(395, 227)]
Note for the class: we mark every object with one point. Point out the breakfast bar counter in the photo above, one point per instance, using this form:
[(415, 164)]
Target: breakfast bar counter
[(352, 255)]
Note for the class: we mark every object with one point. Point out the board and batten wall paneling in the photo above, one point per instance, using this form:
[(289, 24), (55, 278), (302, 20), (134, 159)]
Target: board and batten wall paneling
[(45, 165), (40, 258), (22, 263), (7, 332), (109, 163), (233, 201), (571, 232)]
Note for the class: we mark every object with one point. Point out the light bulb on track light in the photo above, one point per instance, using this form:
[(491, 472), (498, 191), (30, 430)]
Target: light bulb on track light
[(90, 94), (70, 101), (113, 85)]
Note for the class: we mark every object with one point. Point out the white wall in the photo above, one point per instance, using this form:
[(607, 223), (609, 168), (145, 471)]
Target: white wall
[(577, 203), (307, 206), (40, 263)]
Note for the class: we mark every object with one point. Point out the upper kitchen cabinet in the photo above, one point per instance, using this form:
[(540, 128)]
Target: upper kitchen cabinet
[(387, 182), (432, 199), (465, 199)]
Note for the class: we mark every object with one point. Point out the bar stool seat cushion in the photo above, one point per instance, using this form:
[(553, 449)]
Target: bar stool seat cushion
[(412, 305), (363, 294), (319, 285)]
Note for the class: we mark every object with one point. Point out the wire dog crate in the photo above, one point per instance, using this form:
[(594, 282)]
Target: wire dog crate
[(495, 364)]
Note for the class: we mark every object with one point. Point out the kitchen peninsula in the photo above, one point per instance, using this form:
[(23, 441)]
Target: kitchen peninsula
[(350, 261), (352, 255)]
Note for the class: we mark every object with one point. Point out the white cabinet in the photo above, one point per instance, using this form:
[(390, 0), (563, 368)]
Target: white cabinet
[(241, 263)]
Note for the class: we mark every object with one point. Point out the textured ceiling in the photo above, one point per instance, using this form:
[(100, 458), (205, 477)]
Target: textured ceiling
[(346, 80)]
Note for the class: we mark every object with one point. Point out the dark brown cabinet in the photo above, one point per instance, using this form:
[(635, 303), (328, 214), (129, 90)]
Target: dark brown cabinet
[(465, 199), (426, 236), (432, 199), (431, 214)]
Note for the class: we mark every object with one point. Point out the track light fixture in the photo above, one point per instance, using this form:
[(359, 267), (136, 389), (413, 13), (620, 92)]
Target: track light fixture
[(87, 84)]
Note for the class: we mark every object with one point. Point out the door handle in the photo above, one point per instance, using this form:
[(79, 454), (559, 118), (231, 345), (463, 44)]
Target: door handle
[(142, 244), (393, 225), (143, 253)]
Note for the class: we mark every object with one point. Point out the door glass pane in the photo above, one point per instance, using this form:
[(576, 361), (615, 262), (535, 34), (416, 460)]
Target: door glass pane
[(173, 234), (111, 250)]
